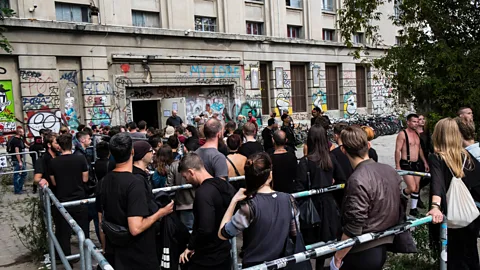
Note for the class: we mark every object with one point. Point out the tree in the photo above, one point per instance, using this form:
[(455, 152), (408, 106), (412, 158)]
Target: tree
[(437, 63), (4, 44)]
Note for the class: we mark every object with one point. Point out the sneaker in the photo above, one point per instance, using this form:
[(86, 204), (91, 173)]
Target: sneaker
[(420, 204), (414, 212)]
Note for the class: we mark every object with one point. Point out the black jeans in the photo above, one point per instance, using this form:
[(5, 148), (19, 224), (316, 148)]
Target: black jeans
[(63, 231), (462, 249), (370, 259)]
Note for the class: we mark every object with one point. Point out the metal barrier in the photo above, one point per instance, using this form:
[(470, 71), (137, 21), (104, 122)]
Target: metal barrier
[(313, 250), (21, 153), (333, 247), (52, 240)]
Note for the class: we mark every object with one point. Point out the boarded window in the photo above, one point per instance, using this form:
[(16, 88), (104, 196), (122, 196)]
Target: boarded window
[(332, 87), (299, 89), (361, 87), (264, 88)]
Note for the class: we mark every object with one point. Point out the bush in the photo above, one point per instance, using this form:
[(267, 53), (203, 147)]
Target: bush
[(424, 259), (34, 234)]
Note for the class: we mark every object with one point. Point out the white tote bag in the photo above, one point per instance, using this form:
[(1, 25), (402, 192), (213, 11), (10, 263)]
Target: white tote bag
[(461, 208)]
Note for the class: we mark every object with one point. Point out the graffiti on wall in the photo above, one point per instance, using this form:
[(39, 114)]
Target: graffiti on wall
[(68, 85), (319, 99), (216, 71), (382, 94), (7, 107), (283, 102), (3, 71), (44, 119), (350, 104)]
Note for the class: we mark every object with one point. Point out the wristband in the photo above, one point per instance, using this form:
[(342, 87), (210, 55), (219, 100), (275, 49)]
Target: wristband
[(436, 204)]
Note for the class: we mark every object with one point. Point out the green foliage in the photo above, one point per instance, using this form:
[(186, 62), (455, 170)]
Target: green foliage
[(437, 64), (425, 259), (4, 44), (33, 235)]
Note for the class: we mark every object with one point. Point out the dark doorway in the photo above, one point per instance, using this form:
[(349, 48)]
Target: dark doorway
[(146, 110)]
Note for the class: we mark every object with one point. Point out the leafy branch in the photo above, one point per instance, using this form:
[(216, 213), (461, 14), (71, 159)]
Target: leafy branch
[(4, 44)]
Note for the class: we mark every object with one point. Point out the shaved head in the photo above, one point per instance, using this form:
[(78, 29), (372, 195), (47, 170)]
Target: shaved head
[(280, 138)]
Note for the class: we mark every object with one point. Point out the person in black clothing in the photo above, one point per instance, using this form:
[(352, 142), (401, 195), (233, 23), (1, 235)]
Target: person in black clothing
[(69, 173), (37, 147), (287, 128), (316, 112), (155, 141), (284, 165), (212, 198), (452, 160), (251, 146), (320, 169), (41, 175), (16, 145), (342, 159), (192, 142), (267, 134), (174, 120), (121, 200), (103, 164)]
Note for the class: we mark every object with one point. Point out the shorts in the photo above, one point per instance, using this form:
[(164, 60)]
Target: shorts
[(414, 166)]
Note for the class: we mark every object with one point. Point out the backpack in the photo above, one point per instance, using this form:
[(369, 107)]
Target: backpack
[(461, 208)]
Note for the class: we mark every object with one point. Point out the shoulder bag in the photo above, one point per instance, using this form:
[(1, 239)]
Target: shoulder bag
[(309, 216)]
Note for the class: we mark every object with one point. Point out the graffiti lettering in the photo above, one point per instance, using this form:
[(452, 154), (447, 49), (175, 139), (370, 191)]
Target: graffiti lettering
[(216, 81), (39, 100), (70, 77), (216, 71), (141, 94), (286, 80), (97, 88), (25, 74), (3, 71), (171, 92), (123, 82), (44, 119), (217, 92)]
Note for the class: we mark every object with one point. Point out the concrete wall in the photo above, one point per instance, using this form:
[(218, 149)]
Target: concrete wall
[(231, 15)]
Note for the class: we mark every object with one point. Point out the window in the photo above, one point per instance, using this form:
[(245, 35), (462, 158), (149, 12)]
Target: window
[(145, 19), (358, 38), (205, 24), (328, 5), (328, 34), (294, 3), (254, 28), (299, 89), (396, 8), (4, 3), (361, 87), (398, 41), (293, 31), (72, 12), (331, 74), (264, 89)]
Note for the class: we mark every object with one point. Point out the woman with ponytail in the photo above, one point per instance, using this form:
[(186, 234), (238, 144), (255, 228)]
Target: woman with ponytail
[(266, 217)]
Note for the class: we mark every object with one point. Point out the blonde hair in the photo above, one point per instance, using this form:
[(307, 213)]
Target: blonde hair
[(447, 143)]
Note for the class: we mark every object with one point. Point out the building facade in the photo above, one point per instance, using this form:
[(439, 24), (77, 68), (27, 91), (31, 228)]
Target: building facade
[(108, 62)]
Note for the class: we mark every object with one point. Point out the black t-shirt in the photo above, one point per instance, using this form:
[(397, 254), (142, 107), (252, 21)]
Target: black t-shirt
[(373, 154), (267, 138), (102, 168), (14, 143), (343, 162), (122, 195), (250, 148), (287, 147), (284, 171), (68, 172)]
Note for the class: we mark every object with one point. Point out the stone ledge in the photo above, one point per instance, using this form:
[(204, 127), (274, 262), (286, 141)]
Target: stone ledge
[(117, 29)]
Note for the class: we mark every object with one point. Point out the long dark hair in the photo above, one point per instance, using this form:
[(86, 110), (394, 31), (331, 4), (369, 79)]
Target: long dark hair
[(164, 159), (318, 150), (193, 130), (257, 172)]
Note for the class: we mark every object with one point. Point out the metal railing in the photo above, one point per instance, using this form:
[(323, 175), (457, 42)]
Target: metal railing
[(313, 250), (24, 159)]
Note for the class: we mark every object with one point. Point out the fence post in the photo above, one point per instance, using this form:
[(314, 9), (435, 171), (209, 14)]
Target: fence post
[(444, 241), (48, 210), (88, 258), (234, 253)]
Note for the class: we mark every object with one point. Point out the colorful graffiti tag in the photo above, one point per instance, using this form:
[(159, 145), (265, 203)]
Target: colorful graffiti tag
[(43, 119), (320, 100), (350, 104), (7, 107)]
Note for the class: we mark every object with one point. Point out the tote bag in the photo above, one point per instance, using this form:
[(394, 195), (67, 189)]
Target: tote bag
[(461, 208)]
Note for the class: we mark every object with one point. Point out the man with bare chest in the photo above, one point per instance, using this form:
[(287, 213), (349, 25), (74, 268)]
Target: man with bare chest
[(409, 157)]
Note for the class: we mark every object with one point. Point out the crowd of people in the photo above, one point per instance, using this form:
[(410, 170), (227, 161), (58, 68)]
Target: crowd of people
[(142, 230)]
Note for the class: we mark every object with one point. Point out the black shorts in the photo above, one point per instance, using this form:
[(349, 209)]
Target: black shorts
[(414, 166)]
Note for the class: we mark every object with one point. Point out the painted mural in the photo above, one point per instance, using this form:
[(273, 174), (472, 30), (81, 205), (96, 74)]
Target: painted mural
[(319, 99), (349, 104), (68, 85), (7, 107)]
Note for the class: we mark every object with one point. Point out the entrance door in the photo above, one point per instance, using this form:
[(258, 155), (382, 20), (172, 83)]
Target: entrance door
[(173, 104), (146, 110)]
